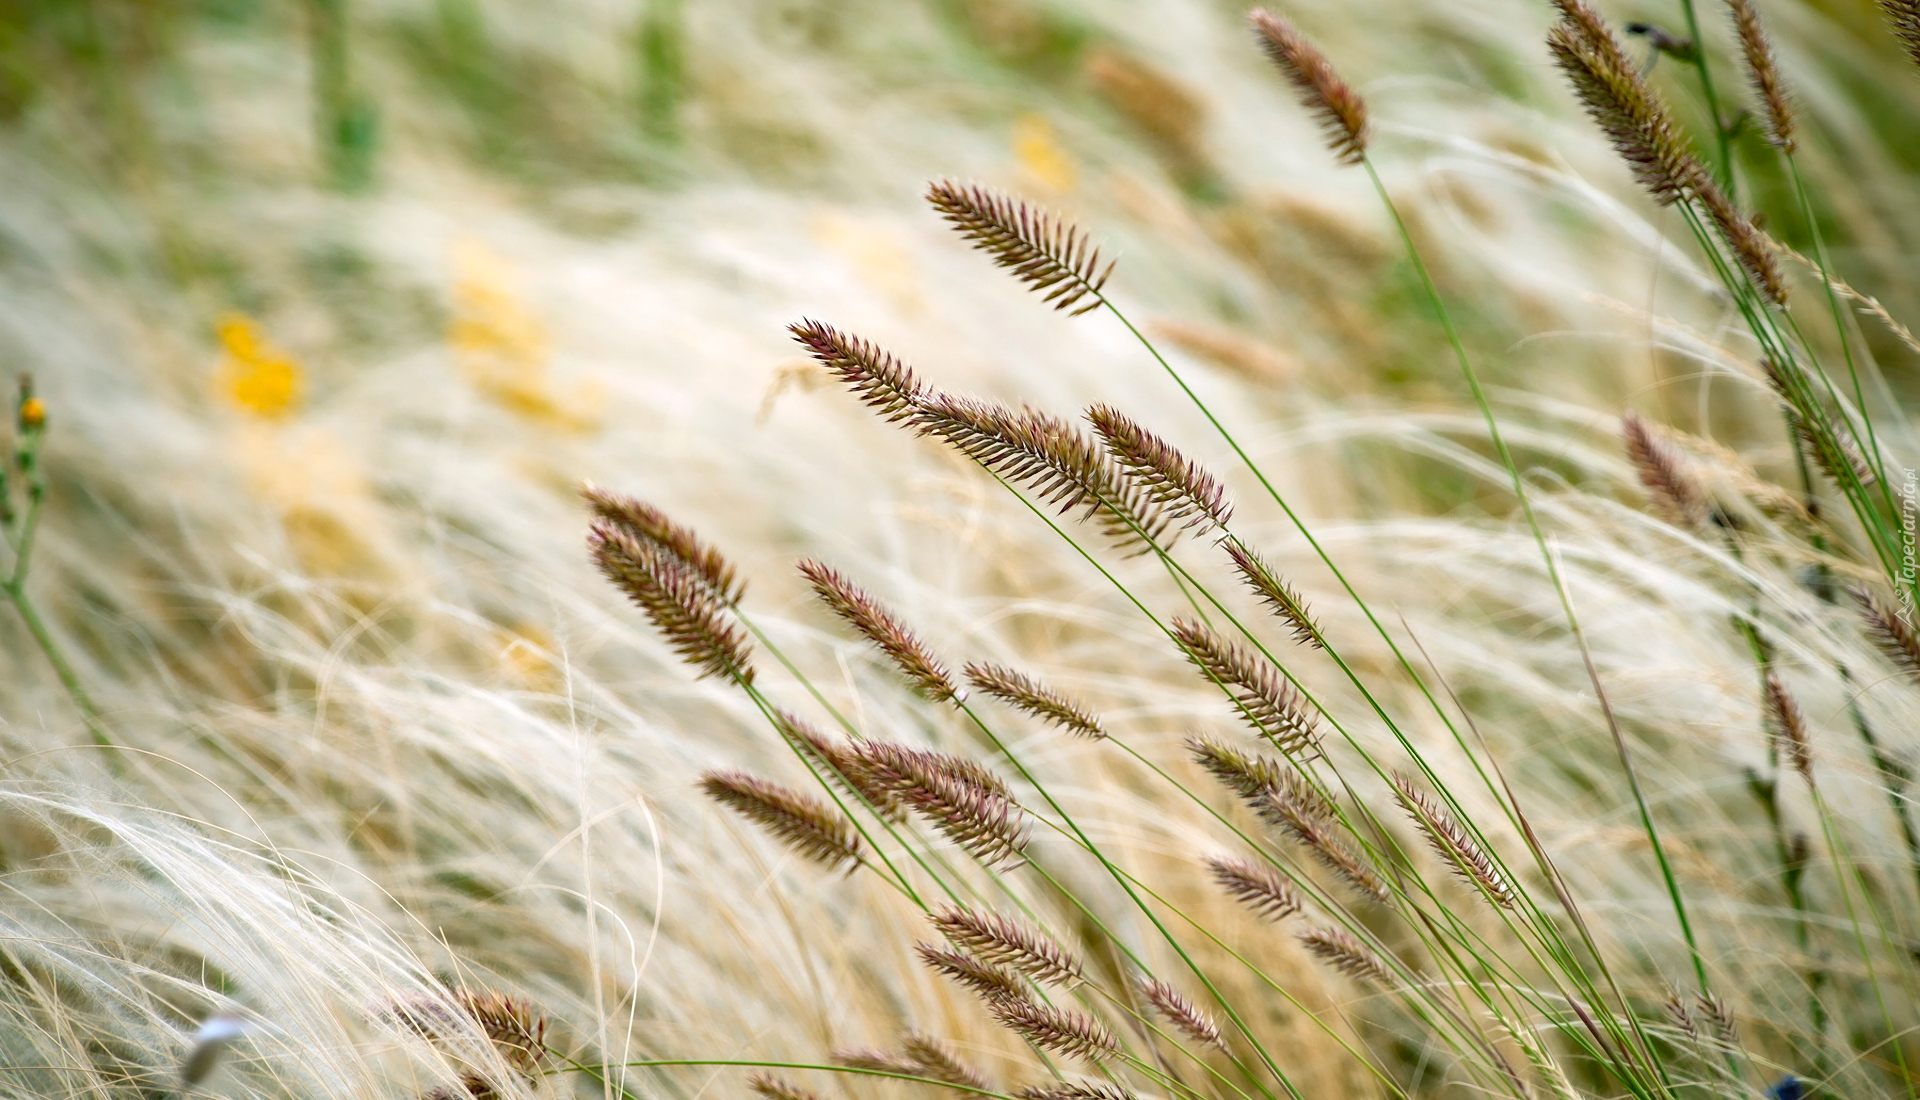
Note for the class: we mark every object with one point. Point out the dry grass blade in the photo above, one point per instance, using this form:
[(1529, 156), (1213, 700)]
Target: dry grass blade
[(1453, 842), (1042, 250), (1903, 17), (1256, 886), (1062, 1031), (1763, 73), (881, 381), (1020, 690), (772, 1086), (1341, 112), (1619, 102), (645, 523), (1269, 704), (1182, 1013), (923, 672), (989, 981), (1278, 595), (845, 767), (1076, 1090), (1676, 495), (1789, 727), (1007, 942), (968, 804), (1345, 954), (1188, 494), (937, 1059), (683, 606), (808, 826), (1890, 631)]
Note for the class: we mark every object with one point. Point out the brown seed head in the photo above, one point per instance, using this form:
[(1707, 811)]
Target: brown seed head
[(677, 597), (1763, 74), (1264, 698), (1306, 814), (1890, 631), (1753, 250), (1453, 842), (646, 524), (1182, 1013), (1076, 1090), (1007, 942), (968, 804), (909, 655), (989, 981), (844, 767), (1259, 888), (1903, 16), (1060, 1030), (1345, 954), (1341, 112), (1279, 596), (1186, 493), (804, 823), (1675, 493), (1020, 690), (1788, 725), (936, 1058), (515, 1029), (875, 376), (774, 1087), (1617, 99), (1042, 250)]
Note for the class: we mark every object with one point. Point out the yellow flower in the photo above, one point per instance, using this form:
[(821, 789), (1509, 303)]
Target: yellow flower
[(33, 414), (502, 346), (256, 376)]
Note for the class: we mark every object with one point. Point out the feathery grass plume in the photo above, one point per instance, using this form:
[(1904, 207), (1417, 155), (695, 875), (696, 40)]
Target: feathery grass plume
[(1256, 886), (677, 598), (875, 376), (1676, 495), (1278, 595), (1341, 112), (1306, 814), (989, 981), (937, 1059), (512, 1025), (772, 1086), (1345, 954), (1076, 1090), (646, 524), (1182, 1013), (1062, 1031), (968, 804), (1753, 250), (1903, 17), (1052, 459), (1017, 689), (1043, 250), (1618, 100), (1889, 631), (1789, 727), (1269, 704), (909, 654), (1452, 841), (1186, 492), (1007, 942), (848, 771), (1763, 73), (804, 823)]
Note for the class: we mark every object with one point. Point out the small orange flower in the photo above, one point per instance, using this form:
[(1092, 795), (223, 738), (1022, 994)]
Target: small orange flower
[(33, 414), (256, 376)]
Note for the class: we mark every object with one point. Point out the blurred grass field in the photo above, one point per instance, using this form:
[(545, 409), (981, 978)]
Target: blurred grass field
[(333, 306)]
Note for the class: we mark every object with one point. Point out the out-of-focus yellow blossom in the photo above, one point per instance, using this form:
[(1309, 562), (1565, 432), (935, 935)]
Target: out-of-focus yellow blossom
[(501, 345), (1038, 149), (33, 414), (876, 254), (255, 376)]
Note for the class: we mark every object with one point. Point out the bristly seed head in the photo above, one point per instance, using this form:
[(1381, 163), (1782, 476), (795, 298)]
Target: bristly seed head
[(1903, 16), (1076, 1090), (772, 1086), (1341, 112), (804, 823), (1020, 690), (1889, 631), (1278, 595), (937, 1059), (1060, 1030), (845, 768), (923, 672), (1257, 887), (1265, 699), (681, 601), (1763, 73), (1453, 842), (968, 804), (646, 524), (874, 375), (1345, 954), (1306, 813), (1789, 727), (989, 981), (1617, 99), (1186, 493), (1182, 1013), (1675, 493), (1007, 942), (1042, 250)]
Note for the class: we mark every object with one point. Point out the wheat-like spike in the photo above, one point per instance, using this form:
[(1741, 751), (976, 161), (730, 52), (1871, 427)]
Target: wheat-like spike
[(645, 523), (683, 606), (1062, 1031), (967, 803), (1345, 954), (1251, 777), (1676, 495), (1789, 727), (876, 376), (772, 1086), (1187, 493), (937, 1059), (1182, 1013), (1756, 253), (1680, 1014), (1763, 73), (845, 767), (1043, 250), (1720, 1016), (804, 823), (1076, 1090), (1453, 842), (989, 981), (515, 1029), (1890, 631), (1619, 102), (1007, 942), (1259, 888), (1053, 460), (1268, 703), (1340, 111), (1020, 690), (1903, 17), (924, 673), (1278, 595), (1306, 814)]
